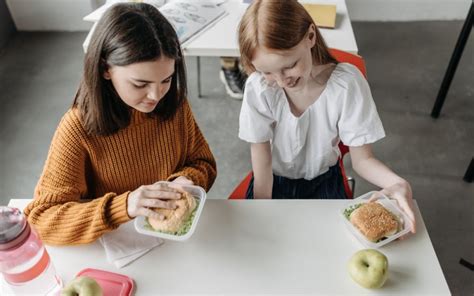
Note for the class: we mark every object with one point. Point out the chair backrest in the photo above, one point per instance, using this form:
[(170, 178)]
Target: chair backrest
[(358, 61), (347, 57), (342, 57)]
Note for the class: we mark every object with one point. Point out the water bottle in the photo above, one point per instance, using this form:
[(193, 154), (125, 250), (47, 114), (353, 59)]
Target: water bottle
[(24, 262)]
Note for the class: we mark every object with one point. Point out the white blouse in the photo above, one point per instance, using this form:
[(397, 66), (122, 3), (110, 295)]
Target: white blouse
[(306, 146)]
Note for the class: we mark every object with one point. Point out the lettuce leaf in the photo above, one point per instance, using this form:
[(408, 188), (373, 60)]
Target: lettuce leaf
[(348, 211)]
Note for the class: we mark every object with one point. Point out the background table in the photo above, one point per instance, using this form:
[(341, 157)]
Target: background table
[(220, 38), (265, 246)]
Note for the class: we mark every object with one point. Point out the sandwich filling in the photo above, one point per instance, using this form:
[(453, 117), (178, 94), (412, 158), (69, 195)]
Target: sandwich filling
[(374, 221), (174, 219)]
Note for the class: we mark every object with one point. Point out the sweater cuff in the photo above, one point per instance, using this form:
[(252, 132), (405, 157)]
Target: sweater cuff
[(118, 209)]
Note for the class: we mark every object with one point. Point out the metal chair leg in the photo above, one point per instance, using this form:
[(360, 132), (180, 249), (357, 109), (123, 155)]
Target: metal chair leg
[(352, 184), (453, 63), (198, 63), (469, 176)]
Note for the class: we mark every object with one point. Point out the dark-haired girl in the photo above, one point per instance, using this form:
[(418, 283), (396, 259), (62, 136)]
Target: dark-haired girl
[(130, 126)]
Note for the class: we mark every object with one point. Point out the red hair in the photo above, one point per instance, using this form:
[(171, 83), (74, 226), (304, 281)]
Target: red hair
[(278, 25)]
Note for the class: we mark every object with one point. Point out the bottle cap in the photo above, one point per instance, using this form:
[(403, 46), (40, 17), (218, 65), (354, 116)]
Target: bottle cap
[(12, 225)]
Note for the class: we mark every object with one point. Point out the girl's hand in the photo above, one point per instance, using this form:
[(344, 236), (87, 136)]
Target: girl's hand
[(183, 180), (141, 201), (402, 194)]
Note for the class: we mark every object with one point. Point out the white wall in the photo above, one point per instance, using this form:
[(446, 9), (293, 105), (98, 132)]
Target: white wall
[(407, 10), (66, 15), (50, 15)]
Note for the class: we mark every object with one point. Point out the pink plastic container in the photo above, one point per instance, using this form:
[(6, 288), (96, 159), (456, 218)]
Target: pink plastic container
[(112, 284), (24, 261)]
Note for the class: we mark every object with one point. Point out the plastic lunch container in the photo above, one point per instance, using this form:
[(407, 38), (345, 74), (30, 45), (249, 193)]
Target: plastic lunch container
[(112, 284), (142, 226), (389, 205)]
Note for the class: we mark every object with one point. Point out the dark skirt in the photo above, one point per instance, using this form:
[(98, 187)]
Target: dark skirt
[(329, 185)]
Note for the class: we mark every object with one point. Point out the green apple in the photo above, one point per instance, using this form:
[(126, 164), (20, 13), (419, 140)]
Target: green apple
[(82, 286), (368, 268)]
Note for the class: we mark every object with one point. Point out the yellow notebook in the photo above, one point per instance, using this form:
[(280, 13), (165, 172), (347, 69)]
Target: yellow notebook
[(324, 15)]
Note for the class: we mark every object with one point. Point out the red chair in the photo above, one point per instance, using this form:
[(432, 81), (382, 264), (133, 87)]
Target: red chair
[(349, 183)]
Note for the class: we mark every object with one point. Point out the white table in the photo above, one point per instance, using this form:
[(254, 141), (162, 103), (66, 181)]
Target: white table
[(272, 246), (221, 38)]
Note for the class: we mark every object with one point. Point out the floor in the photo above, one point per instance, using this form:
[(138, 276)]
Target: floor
[(39, 74)]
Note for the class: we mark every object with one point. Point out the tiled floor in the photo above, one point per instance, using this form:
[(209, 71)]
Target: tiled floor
[(39, 73)]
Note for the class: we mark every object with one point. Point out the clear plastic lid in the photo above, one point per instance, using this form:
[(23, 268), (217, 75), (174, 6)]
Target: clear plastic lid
[(388, 204), (12, 224)]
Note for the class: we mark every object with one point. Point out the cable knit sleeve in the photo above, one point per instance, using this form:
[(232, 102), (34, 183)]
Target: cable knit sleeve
[(62, 211), (200, 165)]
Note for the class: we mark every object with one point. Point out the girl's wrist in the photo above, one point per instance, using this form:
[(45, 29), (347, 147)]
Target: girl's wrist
[(400, 182), (399, 189)]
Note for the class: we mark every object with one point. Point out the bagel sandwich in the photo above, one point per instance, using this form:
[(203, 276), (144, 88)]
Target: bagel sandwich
[(174, 219), (374, 221)]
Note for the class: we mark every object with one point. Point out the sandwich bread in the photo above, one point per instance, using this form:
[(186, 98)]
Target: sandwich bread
[(374, 221), (174, 219)]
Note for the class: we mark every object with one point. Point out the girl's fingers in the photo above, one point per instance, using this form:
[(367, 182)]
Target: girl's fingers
[(152, 193), (157, 203), (150, 213), (402, 203), (177, 186), (407, 209), (162, 187)]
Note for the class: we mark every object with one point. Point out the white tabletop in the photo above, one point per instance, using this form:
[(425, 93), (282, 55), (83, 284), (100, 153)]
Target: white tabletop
[(271, 246), (220, 38)]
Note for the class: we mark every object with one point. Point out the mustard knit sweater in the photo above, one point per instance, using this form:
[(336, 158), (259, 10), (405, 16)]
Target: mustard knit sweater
[(83, 190)]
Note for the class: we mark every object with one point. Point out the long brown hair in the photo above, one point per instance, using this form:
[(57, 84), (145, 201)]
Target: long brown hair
[(127, 33), (278, 25)]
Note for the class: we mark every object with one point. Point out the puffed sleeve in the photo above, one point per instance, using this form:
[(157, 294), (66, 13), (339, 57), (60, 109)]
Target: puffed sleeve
[(359, 122), (256, 119)]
